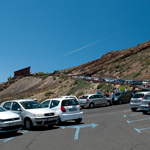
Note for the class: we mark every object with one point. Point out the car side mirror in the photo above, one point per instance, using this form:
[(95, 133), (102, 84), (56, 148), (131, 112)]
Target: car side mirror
[(19, 109)]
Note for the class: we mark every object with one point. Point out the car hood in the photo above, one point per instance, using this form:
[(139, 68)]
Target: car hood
[(39, 110), (8, 115)]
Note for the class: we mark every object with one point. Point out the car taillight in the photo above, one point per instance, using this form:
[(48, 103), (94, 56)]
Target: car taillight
[(149, 105), (130, 100), (87, 99), (80, 108), (63, 109), (142, 98)]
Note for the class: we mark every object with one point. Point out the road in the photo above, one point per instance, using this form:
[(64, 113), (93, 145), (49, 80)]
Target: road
[(116, 128)]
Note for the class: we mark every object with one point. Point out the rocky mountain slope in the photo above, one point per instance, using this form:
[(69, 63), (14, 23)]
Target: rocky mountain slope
[(132, 63)]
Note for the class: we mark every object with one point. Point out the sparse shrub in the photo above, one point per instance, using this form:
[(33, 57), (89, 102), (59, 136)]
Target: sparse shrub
[(48, 93), (122, 88), (40, 73), (53, 87), (9, 78), (63, 77), (71, 91), (59, 81), (101, 85), (44, 76), (54, 77), (79, 94)]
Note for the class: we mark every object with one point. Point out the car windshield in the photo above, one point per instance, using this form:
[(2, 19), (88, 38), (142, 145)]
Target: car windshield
[(117, 94), (31, 105), (83, 97), (147, 97), (138, 95), (1, 109), (69, 102)]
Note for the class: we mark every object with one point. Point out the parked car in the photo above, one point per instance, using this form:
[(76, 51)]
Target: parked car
[(71, 96), (145, 89), (145, 104), (31, 112), (9, 121), (92, 100), (122, 97), (133, 91), (67, 108), (135, 101)]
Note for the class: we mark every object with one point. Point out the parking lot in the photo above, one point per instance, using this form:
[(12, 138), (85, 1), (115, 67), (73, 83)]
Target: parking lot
[(113, 127)]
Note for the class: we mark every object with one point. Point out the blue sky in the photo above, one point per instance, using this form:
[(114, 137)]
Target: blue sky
[(38, 33)]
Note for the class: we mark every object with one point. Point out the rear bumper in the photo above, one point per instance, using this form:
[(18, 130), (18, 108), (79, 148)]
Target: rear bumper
[(144, 108), (135, 105), (65, 117)]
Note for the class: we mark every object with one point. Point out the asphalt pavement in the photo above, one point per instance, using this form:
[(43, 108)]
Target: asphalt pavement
[(103, 128)]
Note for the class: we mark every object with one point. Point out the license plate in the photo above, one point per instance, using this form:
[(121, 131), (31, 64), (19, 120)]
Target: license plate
[(14, 123), (145, 108), (49, 119), (135, 105), (72, 109)]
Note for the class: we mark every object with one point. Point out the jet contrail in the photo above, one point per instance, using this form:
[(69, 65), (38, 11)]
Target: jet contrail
[(84, 46)]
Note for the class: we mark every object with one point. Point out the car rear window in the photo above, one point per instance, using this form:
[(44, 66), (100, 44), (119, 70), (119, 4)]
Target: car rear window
[(69, 102), (138, 95), (147, 97), (84, 97)]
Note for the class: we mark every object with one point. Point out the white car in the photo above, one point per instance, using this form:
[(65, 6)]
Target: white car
[(66, 108), (32, 113), (145, 104), (92, 100), (9, 121), (136, 100)]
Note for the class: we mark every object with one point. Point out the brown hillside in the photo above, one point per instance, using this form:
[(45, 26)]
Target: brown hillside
[(105, 65)]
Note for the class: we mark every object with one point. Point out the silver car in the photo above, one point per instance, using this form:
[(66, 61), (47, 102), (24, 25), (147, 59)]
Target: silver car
[(9, 121), (92, 100), (135, 101), (32, 113), (145, 104)]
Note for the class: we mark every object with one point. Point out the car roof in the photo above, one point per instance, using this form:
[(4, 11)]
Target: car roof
[(144, 92), (59, 98), (22, 100)]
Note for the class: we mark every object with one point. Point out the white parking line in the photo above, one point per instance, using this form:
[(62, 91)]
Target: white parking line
[(137, 120), (139, 130), (132, 114), (127, 110)]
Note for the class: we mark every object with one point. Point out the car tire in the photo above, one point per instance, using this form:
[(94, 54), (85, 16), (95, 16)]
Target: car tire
[(133, 109), (91, 105), (51, 126), (59, 121), (78, 120), (145, 112), (108, 103), (120, 102), (28, 124)]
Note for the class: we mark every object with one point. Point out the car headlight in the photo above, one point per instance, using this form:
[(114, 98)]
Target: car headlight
[(39, 115)]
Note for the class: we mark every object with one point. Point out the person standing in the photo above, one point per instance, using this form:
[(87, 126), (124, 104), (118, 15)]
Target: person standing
[(112, 96), (118, 90), (98, 92), (126, 90)]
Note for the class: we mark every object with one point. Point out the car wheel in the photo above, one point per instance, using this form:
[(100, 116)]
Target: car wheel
[(51, 126), (28, 124), (78, 120), (133, 109), (59, 121), (91, 105), (108, 103), (120, 102), (145, 112)]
